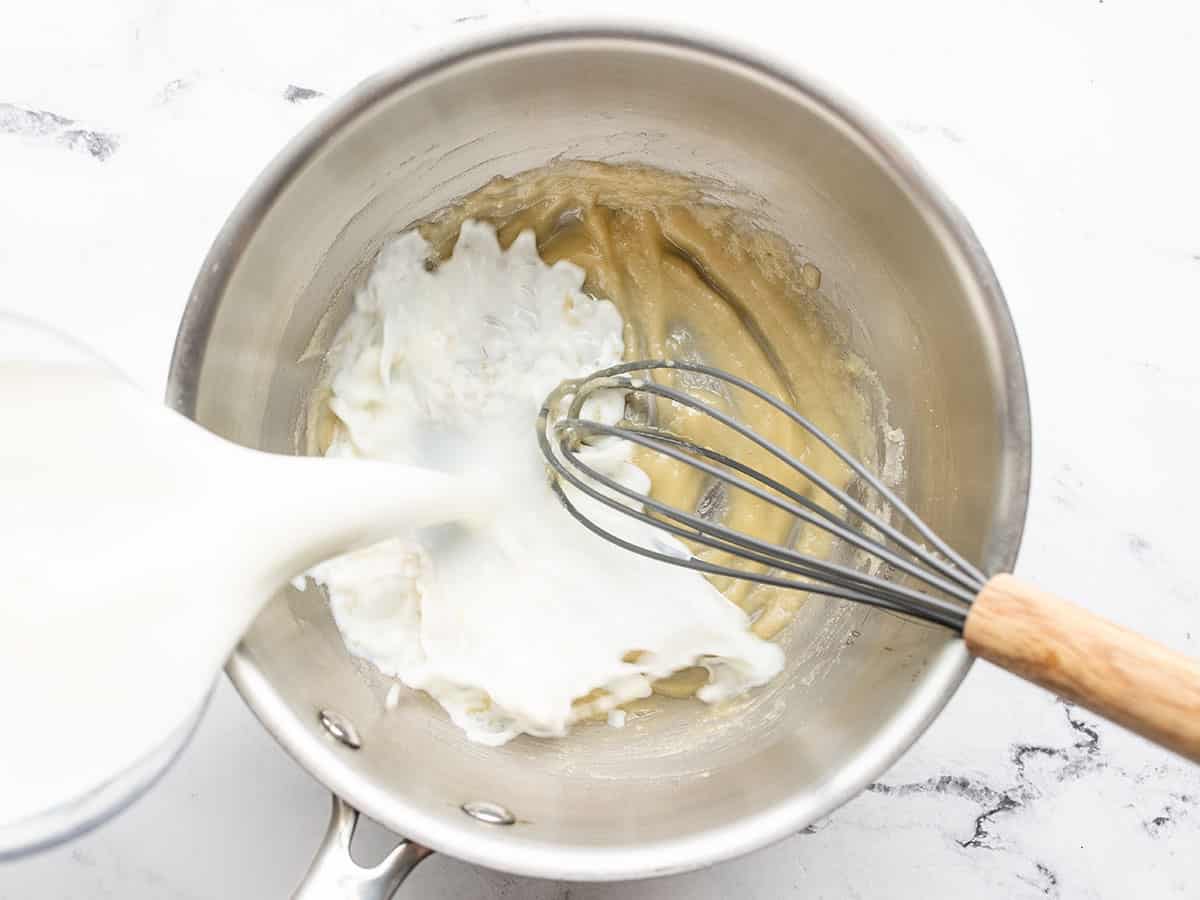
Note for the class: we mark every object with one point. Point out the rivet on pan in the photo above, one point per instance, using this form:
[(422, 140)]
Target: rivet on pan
[(489, 813), (340, 729)]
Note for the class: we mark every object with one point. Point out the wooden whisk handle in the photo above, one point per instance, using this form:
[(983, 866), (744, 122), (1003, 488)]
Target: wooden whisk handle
[(1124, 676)]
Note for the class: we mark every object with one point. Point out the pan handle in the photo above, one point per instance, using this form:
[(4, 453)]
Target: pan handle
[(334, 875)]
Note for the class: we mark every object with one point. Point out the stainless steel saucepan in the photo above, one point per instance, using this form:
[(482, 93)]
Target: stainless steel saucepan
[(903, 274)]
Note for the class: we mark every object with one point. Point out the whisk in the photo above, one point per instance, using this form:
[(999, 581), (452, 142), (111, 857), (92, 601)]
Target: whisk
[(1124, 676)]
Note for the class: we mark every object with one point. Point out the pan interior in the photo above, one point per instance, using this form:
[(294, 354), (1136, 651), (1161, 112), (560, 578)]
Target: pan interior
[(691, 785)]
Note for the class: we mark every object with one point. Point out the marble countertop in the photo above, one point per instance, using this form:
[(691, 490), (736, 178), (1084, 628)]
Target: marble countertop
[(1067, 133)]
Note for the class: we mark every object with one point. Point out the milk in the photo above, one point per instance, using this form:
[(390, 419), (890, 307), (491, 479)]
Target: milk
[(138, 547)]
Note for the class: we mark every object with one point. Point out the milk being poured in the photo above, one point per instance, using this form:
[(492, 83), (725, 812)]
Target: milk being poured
[(137, 548)]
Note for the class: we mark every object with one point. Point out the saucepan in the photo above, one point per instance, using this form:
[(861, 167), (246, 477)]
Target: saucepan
[(902, 274)]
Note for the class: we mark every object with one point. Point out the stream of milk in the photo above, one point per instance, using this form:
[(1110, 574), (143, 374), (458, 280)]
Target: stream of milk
[(137, 548)]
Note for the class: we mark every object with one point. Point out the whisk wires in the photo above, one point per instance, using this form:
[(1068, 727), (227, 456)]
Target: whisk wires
[(944, 583)]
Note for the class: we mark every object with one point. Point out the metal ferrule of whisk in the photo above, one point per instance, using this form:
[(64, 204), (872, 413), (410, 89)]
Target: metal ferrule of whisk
[(939, 584)]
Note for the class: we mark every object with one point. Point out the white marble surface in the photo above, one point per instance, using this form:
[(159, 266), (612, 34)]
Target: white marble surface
[(1067, 132)]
